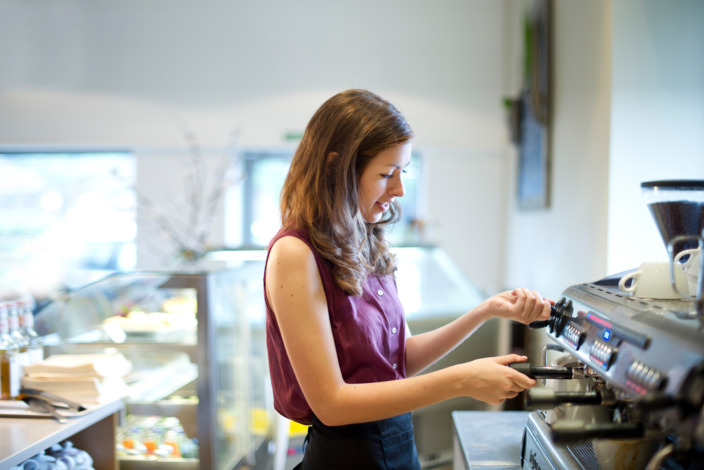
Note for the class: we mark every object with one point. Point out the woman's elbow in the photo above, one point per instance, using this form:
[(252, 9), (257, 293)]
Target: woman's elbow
[(330, 415), (332, 412)]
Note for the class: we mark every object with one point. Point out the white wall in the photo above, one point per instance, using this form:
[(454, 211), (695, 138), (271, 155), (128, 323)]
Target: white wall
[(132, 74), (657, 117), (565, 244)]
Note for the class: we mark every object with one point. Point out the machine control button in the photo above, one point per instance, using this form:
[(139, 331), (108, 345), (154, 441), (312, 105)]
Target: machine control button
[(642, 378), (603, 354), (635, 369), (574, 335)]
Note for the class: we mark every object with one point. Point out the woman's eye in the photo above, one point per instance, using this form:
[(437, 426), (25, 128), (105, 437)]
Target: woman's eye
[(383, 175)]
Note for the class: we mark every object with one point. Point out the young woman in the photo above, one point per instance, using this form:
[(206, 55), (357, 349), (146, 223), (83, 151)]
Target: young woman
[(341, 356)]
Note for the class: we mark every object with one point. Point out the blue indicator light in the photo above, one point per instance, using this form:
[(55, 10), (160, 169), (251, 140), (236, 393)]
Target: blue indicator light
[(606, 335)]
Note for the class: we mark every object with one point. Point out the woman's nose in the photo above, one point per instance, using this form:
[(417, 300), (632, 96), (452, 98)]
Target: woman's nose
[(397, 189)]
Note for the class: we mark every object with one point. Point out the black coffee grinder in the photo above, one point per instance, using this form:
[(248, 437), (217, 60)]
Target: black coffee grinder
[(678, 209)]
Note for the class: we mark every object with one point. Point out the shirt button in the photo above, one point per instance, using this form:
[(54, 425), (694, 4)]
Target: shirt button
[(394, 366), (380, 292), (394, 330)]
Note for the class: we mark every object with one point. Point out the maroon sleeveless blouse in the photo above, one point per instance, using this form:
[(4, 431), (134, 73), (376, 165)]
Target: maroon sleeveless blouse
[(369, 333)]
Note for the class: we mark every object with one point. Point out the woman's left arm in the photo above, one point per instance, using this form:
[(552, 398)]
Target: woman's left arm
[(520, 305)]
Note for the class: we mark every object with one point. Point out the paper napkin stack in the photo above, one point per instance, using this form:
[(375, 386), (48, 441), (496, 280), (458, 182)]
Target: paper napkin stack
[(84, 378)]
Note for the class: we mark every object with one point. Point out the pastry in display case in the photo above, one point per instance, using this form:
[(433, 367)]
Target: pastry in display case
[(197, 391)]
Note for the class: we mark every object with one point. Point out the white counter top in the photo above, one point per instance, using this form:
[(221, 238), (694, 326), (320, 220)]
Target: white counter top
[(22, 438)]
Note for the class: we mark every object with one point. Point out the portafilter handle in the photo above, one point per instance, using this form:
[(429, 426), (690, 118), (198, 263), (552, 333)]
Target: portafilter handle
[(544, 398), (547, 372), (577, 430)]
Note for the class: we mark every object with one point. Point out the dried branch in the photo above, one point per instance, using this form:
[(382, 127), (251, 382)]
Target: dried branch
[(190, 234)]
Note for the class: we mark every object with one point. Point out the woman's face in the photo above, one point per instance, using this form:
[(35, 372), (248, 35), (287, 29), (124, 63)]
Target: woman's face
[(381, 183)]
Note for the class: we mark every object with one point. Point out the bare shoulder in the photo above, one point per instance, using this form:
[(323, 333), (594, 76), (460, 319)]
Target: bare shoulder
[(289, 251), (290, 260), (293, 282)]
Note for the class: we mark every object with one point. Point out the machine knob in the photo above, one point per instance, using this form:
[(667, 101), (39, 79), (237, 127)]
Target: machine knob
[(693, 388), (544, 323), (565, 313), (555, 314)]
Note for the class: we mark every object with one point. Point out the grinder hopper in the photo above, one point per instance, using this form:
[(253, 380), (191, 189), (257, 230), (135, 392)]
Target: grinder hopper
[(678, 209)]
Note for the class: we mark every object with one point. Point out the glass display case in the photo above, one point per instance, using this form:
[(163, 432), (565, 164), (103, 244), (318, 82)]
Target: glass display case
[(199, 380)]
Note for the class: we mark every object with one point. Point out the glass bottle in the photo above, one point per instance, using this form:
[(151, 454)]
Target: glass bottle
[(153, 438), (13, 320), (36, 343), (9, 359), (173, 435)]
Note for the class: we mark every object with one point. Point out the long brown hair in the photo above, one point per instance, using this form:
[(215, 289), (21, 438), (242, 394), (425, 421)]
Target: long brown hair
[(319, 195)]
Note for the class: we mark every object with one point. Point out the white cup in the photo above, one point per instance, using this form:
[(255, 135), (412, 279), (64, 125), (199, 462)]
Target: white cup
[(697, 243), (690, 267), (653, 280)]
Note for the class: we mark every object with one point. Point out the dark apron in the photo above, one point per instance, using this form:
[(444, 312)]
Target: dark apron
[(384, 445)]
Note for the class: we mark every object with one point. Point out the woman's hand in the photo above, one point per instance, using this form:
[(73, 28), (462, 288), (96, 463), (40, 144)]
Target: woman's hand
[(521, 305), (491, 380)]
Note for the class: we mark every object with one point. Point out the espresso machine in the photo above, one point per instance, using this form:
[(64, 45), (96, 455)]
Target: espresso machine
[(625, 389)]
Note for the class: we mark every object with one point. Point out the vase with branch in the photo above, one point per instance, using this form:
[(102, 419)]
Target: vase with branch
[(185, 226)]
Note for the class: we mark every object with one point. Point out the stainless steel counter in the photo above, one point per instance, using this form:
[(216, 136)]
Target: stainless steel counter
[(488, 440)]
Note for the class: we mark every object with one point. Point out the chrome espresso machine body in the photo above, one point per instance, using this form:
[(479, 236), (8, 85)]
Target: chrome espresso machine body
[(626, 389), (644, 364)]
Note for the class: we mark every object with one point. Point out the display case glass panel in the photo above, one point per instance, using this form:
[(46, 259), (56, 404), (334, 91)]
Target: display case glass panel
[(196, 345)]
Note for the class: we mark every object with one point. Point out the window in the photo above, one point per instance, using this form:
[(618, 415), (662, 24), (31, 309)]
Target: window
[(64, 215), (266, 172)]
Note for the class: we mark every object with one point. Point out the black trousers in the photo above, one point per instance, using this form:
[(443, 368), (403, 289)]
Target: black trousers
[(379, 445)]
